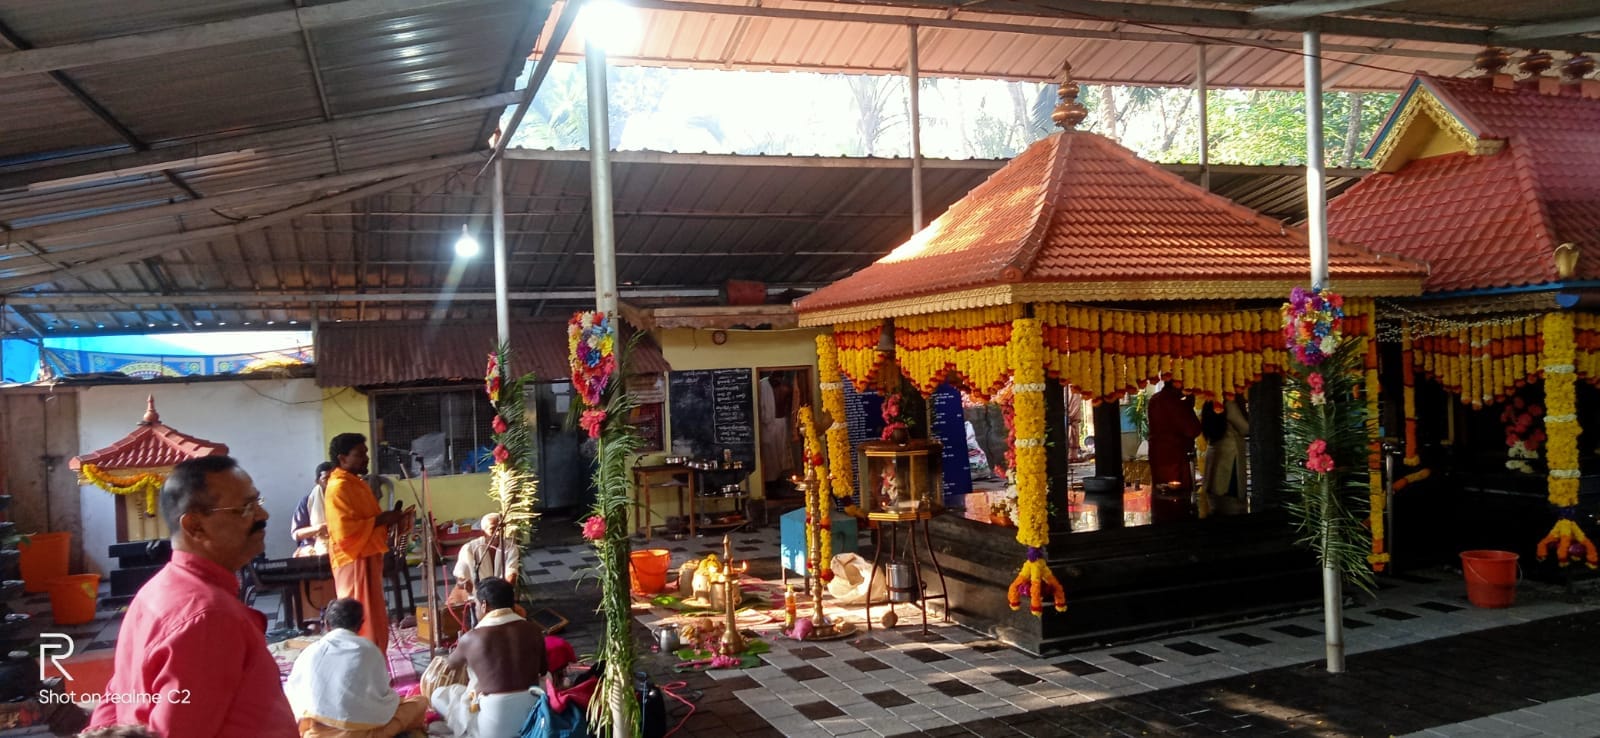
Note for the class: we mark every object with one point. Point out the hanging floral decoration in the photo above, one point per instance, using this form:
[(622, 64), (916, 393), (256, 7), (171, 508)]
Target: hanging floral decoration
[(841, 476), (1482, 363), (592, 348), (1109, 354), (1326, 442), (973, 344), (603, 406), (858, 356), (1568, 542), (894, 420), (1408, 377), (1377, 497), (1035, 580), (1036, 583), (816, 468), (1524, 433), (145, 485), (512, 484)]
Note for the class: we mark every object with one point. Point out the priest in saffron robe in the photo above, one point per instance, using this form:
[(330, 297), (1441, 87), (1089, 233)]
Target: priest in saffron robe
[(358, 530)]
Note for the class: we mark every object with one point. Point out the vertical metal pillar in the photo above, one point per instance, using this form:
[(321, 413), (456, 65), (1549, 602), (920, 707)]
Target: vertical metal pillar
[(605, 247), (1317, 227), (916, 134), (502, 303), (1316, 191), (1201, 88)]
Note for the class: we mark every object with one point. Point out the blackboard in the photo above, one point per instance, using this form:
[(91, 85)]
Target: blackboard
[(712, 410), (950, 429)]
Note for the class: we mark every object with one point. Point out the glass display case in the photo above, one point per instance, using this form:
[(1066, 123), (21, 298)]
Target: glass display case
[(901, 481)]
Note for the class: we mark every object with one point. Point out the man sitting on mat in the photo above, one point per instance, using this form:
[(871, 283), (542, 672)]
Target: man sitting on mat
[(339, 687), (504, 655)]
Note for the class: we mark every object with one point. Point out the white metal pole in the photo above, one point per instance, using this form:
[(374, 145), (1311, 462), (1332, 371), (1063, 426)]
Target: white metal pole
[(605, 247), (915, 76), (1201, 87), (1317, 227), (1316, 192), (502, 300)]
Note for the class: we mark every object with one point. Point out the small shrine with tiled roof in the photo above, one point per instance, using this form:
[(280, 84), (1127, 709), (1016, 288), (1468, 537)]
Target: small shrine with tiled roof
[(1491, 182), (1080, 268), (137, 465)]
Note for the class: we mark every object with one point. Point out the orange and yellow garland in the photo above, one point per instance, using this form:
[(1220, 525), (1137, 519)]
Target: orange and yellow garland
[(1408, 376), (817, 469), (856, 351), (1561, 429), (1482, 363), (974, 343), (841, 474), (1376, 496), (147, 485), (1033, 524)]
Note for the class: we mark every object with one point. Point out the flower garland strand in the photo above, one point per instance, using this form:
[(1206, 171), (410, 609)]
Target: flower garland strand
[(1411, 454), (1561, 429), (604, 403), (816, 469), (512, 484), (1027, 365), (841, 467), (1377, 498), (147, 485)]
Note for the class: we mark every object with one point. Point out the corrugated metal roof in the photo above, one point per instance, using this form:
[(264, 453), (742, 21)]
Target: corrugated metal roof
[(372, 353)]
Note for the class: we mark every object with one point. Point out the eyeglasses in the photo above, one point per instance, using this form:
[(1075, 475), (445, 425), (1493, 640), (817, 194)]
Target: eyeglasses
[(246, 510)]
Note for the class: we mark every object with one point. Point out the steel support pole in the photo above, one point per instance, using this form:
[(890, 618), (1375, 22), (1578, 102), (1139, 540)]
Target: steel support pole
[(1201, 88), (915, 76), (502, 299), (1316, 189), (605, 246)]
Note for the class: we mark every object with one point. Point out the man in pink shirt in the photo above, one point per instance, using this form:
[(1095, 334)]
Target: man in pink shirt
[(192, 660)]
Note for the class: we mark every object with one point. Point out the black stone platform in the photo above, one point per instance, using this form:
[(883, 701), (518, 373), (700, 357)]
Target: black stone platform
[(1127, 583)]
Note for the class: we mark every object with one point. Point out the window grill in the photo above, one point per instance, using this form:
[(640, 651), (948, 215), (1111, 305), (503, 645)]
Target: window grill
[(445, 429)]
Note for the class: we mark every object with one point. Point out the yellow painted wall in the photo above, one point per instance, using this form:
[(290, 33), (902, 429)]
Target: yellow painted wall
[(453, 497), (1441, 143), (687, 348)]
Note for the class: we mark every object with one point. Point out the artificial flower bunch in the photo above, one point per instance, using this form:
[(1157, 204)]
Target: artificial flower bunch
[(1524, 433), (893, 419), (592, 351), (1311, 324)]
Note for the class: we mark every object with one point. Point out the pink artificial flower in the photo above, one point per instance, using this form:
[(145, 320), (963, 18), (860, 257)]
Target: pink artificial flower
[(592, 420), (501, 454), (594, 528), (499, 425), (1317, 458), (1315, 380)]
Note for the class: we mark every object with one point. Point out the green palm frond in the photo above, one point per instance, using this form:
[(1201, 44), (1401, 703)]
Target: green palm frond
[(1330, 510), (514, 486)]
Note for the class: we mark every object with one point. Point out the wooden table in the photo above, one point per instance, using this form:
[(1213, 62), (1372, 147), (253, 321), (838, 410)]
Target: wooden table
[(643, 483)]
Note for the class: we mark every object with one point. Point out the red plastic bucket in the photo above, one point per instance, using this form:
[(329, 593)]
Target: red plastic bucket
[(650, 569), (44, 558), (1491, 577), (73, 598)]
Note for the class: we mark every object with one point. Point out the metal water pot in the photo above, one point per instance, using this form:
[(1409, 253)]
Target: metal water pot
[(903, 586), (668, 638)]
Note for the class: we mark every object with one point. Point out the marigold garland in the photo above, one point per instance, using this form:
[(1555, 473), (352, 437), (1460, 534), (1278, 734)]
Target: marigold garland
[(147, 485), (1482, 363), (858, 357), (1035, 582), (972, 343), (1566, 539), (1027, 362), (841, 473), (1561, 429), (816, 468), (1408, 377)]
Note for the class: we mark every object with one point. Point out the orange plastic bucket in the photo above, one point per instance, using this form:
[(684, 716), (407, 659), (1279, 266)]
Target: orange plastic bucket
[(44, 558), (73, 598), (650, 569), (1491, 577)]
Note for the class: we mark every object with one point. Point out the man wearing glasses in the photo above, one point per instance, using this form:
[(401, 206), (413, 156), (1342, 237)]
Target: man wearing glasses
[(191, 659), (358, 531)]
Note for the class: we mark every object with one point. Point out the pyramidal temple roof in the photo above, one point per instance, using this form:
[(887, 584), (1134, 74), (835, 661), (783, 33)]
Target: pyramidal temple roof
[(152, 445), (1077, 217), (1484, 179)]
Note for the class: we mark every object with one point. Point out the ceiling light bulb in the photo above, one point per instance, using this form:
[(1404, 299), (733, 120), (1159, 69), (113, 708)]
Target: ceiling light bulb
[(466, 245)]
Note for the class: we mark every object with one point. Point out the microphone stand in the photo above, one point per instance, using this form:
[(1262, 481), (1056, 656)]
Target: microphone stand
[(428, 560)]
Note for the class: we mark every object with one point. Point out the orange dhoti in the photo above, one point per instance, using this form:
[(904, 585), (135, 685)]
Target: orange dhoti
[(362, 580)]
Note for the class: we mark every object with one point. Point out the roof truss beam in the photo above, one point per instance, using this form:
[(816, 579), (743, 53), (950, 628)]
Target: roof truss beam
[(124, 300), (110, 165), (1200, 17), (205, 35), (1558, 30), (1309, 8)]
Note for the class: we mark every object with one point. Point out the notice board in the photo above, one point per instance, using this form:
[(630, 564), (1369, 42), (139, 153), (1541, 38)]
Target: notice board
[(712, 410), (950, 429)]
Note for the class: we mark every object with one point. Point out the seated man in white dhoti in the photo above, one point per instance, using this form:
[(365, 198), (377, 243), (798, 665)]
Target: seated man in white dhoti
[(339, 687), (504, 656)]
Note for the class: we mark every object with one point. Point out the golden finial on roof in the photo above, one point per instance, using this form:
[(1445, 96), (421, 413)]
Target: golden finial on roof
[(150, 415), (1069, 113), (1536, 62), (1491, 60), (1576, 67)]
